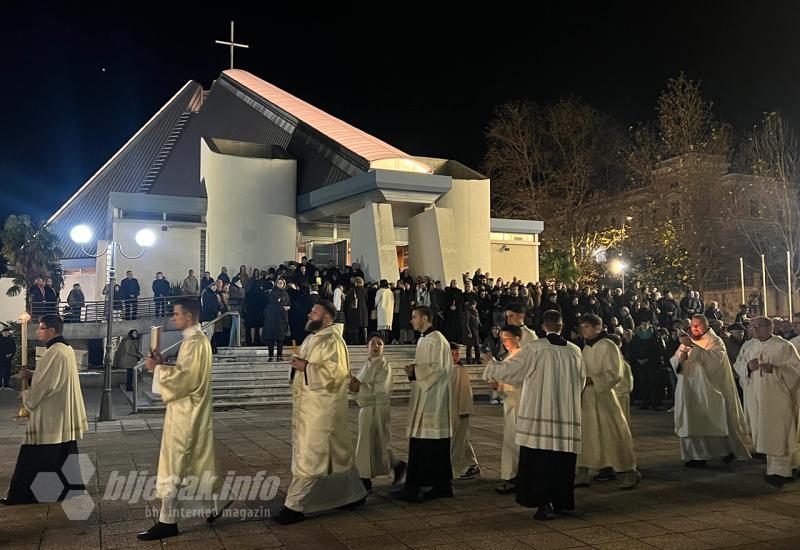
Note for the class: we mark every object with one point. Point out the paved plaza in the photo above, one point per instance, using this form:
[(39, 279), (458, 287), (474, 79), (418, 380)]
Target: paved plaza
[(672, 508)]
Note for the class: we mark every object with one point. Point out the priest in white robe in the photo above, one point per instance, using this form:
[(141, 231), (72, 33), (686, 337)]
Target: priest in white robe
[(56, 415), (384, 305), (373, 389), (708, 414), (462, 454), (324, 474), (607, 441), (769, 371), (551, 375), (511, 336), (187, 470), (429, 427)]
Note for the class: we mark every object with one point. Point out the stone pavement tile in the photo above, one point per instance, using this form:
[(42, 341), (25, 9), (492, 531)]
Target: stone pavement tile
[(627, 544), (124, 514), (606, 518), (723, 519), (180, 543), (459, 519), (251, 542), (472, 532), (22, 543), (758, 531), (719, 537), (126, 540), (547, 541), (502, 543), (787, 526), (423, 537), (74, 538), (791, 543), (675, 542), (306, 534), (384, 542), (594, 535), (638, 529), (678, 524)]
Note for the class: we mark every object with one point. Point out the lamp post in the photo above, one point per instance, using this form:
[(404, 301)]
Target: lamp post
[(145, 238), (618, 267)]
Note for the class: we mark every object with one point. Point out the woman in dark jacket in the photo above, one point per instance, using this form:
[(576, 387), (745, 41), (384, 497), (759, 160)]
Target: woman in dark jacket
[(254, 301), (408, 297), (276, 318), (356, 313)]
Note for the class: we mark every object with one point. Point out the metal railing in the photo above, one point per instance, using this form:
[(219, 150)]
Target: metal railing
[(123, 310), (233, 341)]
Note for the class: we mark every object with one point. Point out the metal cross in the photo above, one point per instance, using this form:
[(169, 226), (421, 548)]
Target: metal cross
[(232, 44)]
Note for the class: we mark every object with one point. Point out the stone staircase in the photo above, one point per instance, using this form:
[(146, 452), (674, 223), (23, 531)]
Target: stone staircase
[(242, 378)]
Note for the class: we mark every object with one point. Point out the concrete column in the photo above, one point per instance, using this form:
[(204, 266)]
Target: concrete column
[(372, 243), (252, 214), (433, 248)]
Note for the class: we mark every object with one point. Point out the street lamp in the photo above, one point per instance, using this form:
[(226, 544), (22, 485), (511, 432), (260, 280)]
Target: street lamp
[(618, 267), (82, 234)]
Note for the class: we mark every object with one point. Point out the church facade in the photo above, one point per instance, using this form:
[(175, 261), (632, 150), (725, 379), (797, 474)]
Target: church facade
[(246, 173)]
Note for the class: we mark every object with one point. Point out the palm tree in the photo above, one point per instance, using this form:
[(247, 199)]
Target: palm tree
[(31, 250)]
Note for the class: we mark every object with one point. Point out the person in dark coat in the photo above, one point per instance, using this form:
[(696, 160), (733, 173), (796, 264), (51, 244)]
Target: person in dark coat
[(8, 347), (438, 300), (647, 353), (471, 331), (454, 314), (160, 293), (276, 318), (129, 289), (209, 304), (372, 323), (668, 309), (255, 299), (356, 313), (300, 306), (643, 312), (408, 300)]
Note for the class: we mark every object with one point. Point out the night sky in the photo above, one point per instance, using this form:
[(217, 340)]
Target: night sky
[(422, 80)]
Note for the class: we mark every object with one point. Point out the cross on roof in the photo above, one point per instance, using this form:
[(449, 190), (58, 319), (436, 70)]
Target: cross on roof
[(231, 44)]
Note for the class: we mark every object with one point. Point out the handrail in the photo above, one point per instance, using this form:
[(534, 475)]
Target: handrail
[(234, 341)]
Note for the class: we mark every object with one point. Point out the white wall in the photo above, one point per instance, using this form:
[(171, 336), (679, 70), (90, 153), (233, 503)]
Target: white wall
[(174, 253), (251, 210), (372, 242), (521, 260), (469, 202), (10, 308)]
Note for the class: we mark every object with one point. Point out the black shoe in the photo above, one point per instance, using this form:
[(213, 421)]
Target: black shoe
[(367, 483), (280, 358), (5, 502), (399, 471), (544, 513), (287, 516), (270, 360), (695, 464), (727, 459), (506, 488), (159, 531), (776, 481)]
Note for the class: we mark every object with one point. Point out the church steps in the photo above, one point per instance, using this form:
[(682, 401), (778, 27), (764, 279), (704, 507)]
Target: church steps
[(242, 377)]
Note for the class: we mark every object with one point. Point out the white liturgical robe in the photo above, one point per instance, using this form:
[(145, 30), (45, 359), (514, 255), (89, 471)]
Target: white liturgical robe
[(373, 457), (550, 378), (509, 455), (429, 403), (607, 440), (324, 475), (771, 401), (187, 456), (54, 400), (462, 454), (708, 415)]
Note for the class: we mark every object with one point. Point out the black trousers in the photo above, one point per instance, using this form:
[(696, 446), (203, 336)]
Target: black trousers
[(429, 465), (652, 385), (272, 344), (546, 477)]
